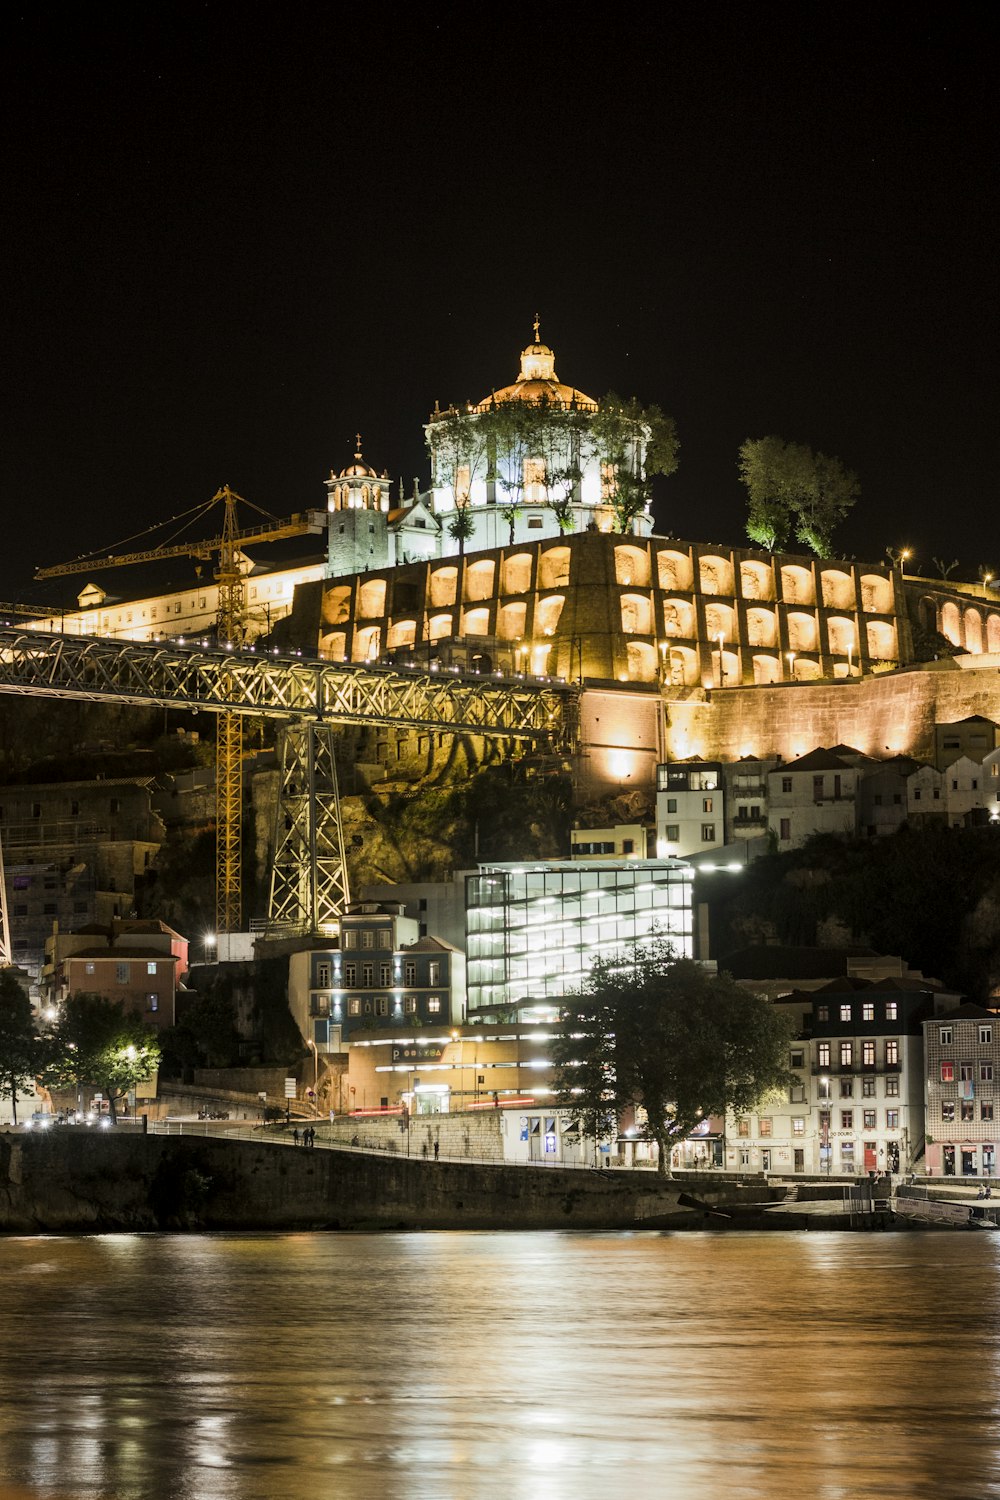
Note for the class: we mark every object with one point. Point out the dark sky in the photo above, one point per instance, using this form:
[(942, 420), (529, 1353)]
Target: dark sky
[(233, 238)]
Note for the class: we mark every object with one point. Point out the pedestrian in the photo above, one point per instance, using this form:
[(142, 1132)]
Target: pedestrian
[(989, 1190), (295, 1135), (312, 1135), (437, 1148)]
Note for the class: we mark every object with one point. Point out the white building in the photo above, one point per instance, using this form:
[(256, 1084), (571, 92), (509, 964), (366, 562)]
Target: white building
[(533, 931), (690, 808)]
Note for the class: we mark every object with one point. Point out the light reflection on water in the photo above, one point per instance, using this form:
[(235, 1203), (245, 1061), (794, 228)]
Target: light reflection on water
[(465, 1366)]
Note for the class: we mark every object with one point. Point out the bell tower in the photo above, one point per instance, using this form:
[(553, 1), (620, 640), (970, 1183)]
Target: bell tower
[(358, 502)]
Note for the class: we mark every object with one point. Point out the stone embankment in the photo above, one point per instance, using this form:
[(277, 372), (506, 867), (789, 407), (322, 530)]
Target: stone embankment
[(69, 1179)]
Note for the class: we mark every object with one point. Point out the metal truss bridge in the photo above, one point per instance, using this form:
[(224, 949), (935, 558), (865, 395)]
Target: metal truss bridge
[(309, 880)]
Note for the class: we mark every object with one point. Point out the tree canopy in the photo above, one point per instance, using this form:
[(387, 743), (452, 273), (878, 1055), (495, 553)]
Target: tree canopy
[(653, 1030), (791, 489), (97, 1041), (19, 1042)]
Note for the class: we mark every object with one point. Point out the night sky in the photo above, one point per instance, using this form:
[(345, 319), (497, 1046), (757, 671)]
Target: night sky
[(233, 238)]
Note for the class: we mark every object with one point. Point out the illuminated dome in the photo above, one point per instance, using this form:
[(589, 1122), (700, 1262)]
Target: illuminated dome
[(538, 382), (358, 469)]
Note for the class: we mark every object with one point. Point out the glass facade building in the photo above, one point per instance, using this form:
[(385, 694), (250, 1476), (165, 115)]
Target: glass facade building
[(533, 931)]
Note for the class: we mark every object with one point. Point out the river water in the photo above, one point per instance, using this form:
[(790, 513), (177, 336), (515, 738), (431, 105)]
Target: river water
[(562, 1366)]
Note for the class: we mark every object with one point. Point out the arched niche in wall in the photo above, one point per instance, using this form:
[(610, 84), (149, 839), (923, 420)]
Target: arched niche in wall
[(632, 566), (801, 632), (371, 599), (806, 670), (993, 634), (637, 614), (553, 568), (333, 645), (881, 640), (476, 622), (367, 643), (517, 573), (444, 582), (336, 606), (683, 666), (678, 618), (766, 669), (479, 579), (510, 624), (973, 623), (838, 589), (720, 619), (876, 594), (402, 633), (797, 586), (756, 579), (842, 636), (641, 662), (951, 622), (716, 575), (762, 627), (674, 570), (547, 613)]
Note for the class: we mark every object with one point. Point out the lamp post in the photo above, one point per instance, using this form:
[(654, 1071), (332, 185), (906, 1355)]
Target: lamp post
[(208, 942), (791, 665), (722, 678)]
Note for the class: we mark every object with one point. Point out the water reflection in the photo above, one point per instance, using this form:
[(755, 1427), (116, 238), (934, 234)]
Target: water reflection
[(475, 1365)]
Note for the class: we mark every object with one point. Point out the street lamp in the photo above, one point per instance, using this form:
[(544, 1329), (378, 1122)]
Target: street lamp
[(208, 942), (722, 677), (791, 664)]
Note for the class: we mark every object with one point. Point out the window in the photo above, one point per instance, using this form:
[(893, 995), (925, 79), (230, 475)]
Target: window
[(892, 1119), (350, 975), (385, 937), (382, 1005), (891, 1087), (968, 1110), (367, 938), (354, 1007), (89, 968), (948, 1111), (822, 1013), (798, 1125), (672, 833), (868, 1010), (892, 1054), (965, 1072), (845, 1012), (891, 1010), (847, 1119), (985, 1072), (823, 1055), (797, 1058), (410, 972), (350, 938), (823, 1088), (743, 1127), (765, 1124), (847, 1088), (985, 1036), (706, 804), (868, 1118), (868, 1087), (671, 804), (367, 976), (434, 972), (786, 783), (785, 828), (385, 974), (847, 1155), (817, 786), (152, 1002), (986, 1109), (947, 1072), (434, 1004), (410, 1005), (944, 1036), (708, 833), (121, 973), (151, 968), (846, 1054), (868, 1054), (797, 1094), (323, 976)]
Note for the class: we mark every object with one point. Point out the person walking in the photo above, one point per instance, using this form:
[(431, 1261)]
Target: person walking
[(437, 1148), (295, 1135)]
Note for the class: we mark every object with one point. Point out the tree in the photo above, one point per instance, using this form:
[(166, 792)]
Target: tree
[(461, 526), (631, 443), (97, 1041), (792, 488), (650, 1029), (19, 1042)]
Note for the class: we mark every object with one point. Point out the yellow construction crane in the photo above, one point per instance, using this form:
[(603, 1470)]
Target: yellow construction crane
[(231, 624)]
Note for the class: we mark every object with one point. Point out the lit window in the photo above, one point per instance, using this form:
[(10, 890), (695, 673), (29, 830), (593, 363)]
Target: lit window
[(765, 1125), (968, 1111), (152, 1002), (948, 1111), (151, 968), (798, 1125), (891, 1010), (823, 1054), (892, 1119), (434, 972), (845, 1012), (868, 1087), (434, 1004), (868, 1054), (891, 1086), (354, 1007), (892, 1054), (947, 1072), (743, 1127), (868, 1011), (846, 1054), (410, 1005), (89, 968), (986, 1109), (350, 938), (868, 1116)]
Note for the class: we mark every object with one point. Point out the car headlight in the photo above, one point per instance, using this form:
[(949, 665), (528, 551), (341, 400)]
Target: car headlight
[(104, 1123)]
